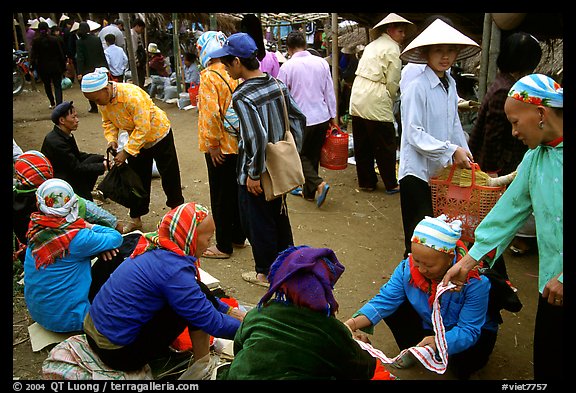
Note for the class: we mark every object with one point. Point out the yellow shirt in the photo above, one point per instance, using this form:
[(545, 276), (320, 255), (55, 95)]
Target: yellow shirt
[(131, 109), (213, 100)]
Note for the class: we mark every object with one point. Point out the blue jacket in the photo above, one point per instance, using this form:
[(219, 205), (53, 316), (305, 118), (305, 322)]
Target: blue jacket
[(464, 313), (142, 286), (57, 296)]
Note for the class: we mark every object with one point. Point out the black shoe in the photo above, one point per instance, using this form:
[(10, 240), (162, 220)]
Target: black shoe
[(93, 110)]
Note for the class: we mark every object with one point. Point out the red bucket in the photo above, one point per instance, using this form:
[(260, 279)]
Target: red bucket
[(334, 153), (193, 91)]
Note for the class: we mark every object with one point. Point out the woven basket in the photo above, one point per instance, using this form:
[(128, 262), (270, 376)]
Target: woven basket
[(470, 204), (334, 153)]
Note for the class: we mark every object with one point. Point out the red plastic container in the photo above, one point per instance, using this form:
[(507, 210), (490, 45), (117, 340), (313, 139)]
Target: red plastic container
[(334, 153), (193, 91)]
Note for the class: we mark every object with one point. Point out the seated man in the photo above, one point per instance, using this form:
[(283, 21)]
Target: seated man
[(296, 334), (79, 169), (405, 301)]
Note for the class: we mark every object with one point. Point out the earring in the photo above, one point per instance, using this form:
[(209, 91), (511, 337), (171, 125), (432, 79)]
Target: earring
[(541, 124)]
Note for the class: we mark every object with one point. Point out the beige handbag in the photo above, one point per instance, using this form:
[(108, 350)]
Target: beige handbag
[(283, 166)]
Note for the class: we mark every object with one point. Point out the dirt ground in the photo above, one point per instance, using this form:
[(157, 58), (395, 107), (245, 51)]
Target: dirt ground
[(364, 229)]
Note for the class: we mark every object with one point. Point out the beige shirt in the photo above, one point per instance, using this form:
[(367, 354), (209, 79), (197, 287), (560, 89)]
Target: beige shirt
[(377, 80)]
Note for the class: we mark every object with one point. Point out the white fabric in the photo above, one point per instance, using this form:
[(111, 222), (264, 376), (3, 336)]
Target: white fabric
[(425, 355)]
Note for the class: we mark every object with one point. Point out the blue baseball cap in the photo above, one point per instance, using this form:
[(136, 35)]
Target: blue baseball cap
[(239, 45)]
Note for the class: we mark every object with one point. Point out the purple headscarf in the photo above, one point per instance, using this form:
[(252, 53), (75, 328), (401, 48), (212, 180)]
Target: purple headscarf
[(305, 276)]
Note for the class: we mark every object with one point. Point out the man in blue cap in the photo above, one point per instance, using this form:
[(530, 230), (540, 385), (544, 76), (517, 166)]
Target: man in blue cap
[(259, 102), (78, 168)]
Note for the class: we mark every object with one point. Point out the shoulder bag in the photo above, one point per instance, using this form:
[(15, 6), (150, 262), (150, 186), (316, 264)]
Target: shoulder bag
[(230, 118), (283, 166)]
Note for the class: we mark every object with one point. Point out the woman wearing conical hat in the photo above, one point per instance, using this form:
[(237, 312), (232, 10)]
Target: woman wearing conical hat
[(432, 135)]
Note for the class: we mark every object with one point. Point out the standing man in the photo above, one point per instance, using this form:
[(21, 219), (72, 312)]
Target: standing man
[(79, 169), (116, 28), (136, 32), (116, 58), (371, 105), (259, 101), (125, 106), (309, 80)]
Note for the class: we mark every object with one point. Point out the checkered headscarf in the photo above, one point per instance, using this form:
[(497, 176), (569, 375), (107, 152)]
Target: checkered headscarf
[(32, 168), (177, 232)]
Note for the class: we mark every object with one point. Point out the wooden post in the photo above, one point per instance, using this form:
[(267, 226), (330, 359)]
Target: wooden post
[(493, 55), (131, 50), (176, 50), (482, 78), (335, 53)]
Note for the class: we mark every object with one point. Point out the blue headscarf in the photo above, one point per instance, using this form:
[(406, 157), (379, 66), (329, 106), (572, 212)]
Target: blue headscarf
[(538, 89), (209, 42), (305, 276)]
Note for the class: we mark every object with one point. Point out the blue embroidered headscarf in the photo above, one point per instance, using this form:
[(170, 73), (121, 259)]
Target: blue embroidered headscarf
[(538, 89), (305, 276)]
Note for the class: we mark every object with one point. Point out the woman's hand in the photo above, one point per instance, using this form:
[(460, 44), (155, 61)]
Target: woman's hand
[(238, 314), (462, 158), (217, 156), (554, 291)]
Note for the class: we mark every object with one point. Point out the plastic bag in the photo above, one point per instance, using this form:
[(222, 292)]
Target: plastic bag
[(202, 369), (122, 185)]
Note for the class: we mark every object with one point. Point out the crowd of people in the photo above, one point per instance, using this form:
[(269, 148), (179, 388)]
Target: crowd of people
[(132, 309)]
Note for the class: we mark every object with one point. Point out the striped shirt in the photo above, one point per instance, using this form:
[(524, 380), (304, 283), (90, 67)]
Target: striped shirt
[(131, 109), (258, 104)]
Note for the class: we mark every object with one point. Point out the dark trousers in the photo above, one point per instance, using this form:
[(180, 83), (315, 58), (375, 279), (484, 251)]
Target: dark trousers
[(549, 349), (312, 141), (83, 184), (164, 153), (415, 204), (55, 80), (374, 140), (406, 326), (266, 225), (224, 202)]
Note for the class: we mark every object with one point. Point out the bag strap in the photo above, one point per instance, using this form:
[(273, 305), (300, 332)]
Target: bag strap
[(231, 92), (286, 120)]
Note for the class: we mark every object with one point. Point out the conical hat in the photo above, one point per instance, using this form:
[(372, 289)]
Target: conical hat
[(74, 27), (93, 25), (439, 32), (392, 18), (64, 17)]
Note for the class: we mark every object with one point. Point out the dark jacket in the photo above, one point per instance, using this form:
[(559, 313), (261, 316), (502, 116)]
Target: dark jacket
[(69, 162), (47, 56), (89, 54)]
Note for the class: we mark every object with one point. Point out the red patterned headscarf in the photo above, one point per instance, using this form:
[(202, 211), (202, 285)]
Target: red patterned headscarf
[(177, 231), (32, 168)]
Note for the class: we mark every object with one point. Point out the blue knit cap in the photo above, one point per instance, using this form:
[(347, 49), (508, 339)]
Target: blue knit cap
[(95, 81), (438, 233), (538, 89)]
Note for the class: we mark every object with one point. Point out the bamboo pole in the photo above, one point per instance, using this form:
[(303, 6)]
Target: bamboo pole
[(495, 35), (176, 50)]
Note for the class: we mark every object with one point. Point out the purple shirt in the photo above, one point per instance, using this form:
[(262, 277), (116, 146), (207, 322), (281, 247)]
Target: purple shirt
[(270, 64), (309, 81)]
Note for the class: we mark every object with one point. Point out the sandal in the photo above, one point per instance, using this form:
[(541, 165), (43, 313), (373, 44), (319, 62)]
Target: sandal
[(251, 277), (214, 253), (240, 245)]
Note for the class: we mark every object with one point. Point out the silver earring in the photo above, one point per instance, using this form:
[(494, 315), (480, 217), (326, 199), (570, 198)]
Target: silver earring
[(541, 124)]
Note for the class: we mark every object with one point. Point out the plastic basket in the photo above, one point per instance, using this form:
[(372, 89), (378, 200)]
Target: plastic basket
[(468, 204), (334, 153)]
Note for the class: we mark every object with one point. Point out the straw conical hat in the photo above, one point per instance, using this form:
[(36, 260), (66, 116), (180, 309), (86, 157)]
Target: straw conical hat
[(74, 27), (392, 18), (93, 25), (33, 23), (64, 17), (439, 32)]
